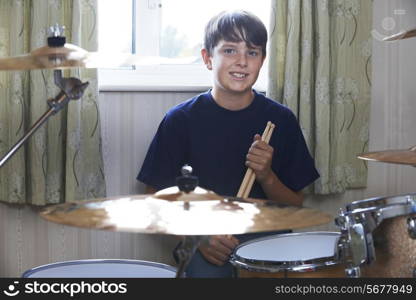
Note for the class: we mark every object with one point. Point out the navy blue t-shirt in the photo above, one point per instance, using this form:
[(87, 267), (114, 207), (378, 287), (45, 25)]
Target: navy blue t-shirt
[(214, 141)]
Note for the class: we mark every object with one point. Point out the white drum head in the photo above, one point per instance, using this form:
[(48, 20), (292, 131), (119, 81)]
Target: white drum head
[(102, 269), (290, 247)]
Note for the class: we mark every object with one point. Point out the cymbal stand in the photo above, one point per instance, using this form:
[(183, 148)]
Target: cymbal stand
[(187, 183), (185, 251), (71, 89)]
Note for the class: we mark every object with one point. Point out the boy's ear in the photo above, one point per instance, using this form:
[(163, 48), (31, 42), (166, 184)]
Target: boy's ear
[(206, 58)]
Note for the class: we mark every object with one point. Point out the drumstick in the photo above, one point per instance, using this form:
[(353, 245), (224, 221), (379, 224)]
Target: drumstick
[(249, 177), (253, 175), (250, 171)]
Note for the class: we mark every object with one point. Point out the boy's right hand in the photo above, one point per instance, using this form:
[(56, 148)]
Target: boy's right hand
[(218, 249)]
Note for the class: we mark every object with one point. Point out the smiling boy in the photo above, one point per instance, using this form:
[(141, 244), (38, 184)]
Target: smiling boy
[(217, 133)]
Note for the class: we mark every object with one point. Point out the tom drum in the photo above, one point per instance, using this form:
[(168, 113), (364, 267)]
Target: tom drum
[(307, 254)]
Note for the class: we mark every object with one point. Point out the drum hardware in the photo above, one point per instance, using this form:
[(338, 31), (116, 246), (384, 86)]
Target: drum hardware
[(186, 183), (355, 246), (381, 202), (395, 210), (185, 251), (371, 215), (353, 272), (61, 55), (357, 229), (379, 225), (71, 89), (411, 227), (360, 216)]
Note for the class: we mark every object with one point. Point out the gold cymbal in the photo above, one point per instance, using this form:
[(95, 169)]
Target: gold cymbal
[(406, 157), (162, 213), (71, 56), (401, 35)]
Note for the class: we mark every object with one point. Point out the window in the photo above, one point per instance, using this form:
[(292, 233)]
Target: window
[(169, 29)]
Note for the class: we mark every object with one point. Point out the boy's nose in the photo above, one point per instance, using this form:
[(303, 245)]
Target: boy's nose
[(242, 60)]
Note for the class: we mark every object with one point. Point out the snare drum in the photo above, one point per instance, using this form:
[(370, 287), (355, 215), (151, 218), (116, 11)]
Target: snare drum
[(307, 254), (388, 226), (102, 268)]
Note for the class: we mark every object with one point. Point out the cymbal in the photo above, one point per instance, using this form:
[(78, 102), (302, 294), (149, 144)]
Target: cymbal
[(401, 35), (406, 157), (197, 213), (72, 56)]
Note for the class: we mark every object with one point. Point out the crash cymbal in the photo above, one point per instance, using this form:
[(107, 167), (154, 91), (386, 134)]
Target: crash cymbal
[(401, 35), (205, 214), (406, 157), (72, 56)]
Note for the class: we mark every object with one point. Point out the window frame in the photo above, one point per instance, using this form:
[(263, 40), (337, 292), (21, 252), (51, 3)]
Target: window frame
[(163, 77)]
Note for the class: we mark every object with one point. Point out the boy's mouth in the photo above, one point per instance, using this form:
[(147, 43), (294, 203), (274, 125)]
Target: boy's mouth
[(239, 75)]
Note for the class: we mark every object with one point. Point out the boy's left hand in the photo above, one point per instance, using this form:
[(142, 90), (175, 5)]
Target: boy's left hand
[(259, 158)]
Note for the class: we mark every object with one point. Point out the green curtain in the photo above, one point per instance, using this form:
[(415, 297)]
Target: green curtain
[(62, 161), (320, 67)]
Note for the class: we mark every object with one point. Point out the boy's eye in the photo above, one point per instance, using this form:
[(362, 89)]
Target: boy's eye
[(253, 53), (229, 51)]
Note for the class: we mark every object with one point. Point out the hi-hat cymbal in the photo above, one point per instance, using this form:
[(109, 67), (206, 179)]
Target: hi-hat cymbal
[(401, 35), (406, 157), (162, 213), (71, 56)]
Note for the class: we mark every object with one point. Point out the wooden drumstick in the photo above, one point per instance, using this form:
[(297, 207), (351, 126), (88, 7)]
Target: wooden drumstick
[(253, 175), (249, 177), (250, 171)]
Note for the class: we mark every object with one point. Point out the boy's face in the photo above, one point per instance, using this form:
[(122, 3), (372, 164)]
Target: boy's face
[(235, 66)]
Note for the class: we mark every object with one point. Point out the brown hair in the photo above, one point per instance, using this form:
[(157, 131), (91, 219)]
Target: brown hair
[(235, 26)]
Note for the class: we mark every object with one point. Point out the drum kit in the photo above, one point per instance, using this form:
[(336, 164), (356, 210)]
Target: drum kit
[(376, 237)]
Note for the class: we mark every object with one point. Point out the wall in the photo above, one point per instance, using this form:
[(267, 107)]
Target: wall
[(130, 119)]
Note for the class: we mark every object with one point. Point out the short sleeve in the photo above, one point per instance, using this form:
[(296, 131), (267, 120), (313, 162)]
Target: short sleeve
[(298, 167), (167, 153)]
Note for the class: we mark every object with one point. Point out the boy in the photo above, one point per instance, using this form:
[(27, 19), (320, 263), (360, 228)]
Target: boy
[(217, 133)]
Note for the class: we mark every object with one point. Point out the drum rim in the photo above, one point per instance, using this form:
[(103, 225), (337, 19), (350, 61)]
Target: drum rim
[(391, 207), (94, 261), (279, 268), (375, 202), (291, 266)]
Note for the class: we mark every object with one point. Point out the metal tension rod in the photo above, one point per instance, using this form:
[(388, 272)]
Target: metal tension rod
[(71, 89)]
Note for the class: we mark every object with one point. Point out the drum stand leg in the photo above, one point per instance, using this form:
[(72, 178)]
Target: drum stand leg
[(71, 89), (353, 272), (185, 251)]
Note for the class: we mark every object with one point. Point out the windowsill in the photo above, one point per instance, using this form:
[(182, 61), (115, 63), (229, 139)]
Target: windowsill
[(152, 88), (162, 78), (160, 88)]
